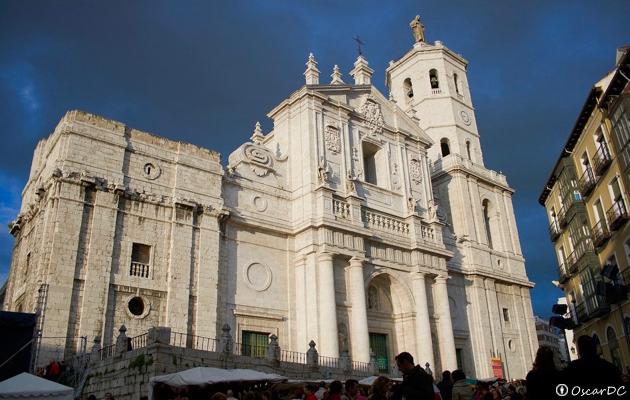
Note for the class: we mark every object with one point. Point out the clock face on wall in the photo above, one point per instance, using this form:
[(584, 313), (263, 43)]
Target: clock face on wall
[(465, 117)]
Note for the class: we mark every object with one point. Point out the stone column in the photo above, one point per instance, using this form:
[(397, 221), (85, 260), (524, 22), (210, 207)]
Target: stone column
[(359, 335), (424, 344), (312, 306), (329, 344), (301, 336), (445, 326)]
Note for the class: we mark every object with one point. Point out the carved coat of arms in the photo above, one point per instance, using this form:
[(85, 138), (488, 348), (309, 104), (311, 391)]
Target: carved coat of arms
[(371, 111)]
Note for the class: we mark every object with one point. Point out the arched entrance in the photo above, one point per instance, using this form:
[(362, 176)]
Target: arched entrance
[(390, 318)]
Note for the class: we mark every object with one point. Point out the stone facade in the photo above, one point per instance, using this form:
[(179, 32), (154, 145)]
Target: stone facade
[(344, 225)]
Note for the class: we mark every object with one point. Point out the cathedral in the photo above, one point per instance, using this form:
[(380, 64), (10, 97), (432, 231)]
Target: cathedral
[(363, 222)]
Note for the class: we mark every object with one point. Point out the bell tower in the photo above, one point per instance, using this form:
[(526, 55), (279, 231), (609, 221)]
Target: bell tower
[(429, 83)]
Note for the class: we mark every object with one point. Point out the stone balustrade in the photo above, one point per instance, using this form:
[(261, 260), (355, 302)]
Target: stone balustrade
[(383, 222), (341, 209), (454, 160)]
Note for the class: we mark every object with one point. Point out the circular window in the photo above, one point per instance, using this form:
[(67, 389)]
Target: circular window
[(151, 171), (136, 306)]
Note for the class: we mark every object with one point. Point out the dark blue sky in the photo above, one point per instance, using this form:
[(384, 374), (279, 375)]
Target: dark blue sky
[(205, 72)]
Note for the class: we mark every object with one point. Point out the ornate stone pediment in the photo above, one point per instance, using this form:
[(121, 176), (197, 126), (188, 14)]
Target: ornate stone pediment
[(370, 109), (260, 159)]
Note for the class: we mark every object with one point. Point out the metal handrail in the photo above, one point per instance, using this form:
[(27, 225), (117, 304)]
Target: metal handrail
[(617, 211), (586, 182)]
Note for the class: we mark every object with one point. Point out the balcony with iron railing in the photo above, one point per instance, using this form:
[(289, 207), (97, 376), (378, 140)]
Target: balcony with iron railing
[(617, 214), (554, 230), (582, 255), (600, 233), (586, 182), (601, 159), (562, 217), (592, 306), (563, 273)]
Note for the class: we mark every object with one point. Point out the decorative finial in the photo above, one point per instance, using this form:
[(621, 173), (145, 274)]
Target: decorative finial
[(257, 136), (336, 76), (362, 73), (311, 73), (417, 29)]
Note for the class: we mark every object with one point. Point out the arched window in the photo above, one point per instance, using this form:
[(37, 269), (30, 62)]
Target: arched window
[(486, 221), (626, 246), (433, 78), (468, 149), (445, 147), (456, 83), (613, 347), (408, 88)]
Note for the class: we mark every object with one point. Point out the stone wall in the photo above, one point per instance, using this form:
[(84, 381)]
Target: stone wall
[(126, 374)]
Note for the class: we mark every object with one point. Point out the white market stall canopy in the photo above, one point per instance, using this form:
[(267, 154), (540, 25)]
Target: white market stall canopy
[(26, 386), (209, 376), (370, 380)]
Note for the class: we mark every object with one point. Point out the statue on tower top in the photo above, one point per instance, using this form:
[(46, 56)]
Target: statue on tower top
[(417, 29)]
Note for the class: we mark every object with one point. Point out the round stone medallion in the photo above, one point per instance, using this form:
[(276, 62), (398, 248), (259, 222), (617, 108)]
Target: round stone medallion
[(258, 276), (260, 203), (465, 117)]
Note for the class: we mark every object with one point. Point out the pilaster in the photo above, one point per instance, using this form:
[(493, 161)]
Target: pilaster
[(179, 266), (99, 263), (208, 274)]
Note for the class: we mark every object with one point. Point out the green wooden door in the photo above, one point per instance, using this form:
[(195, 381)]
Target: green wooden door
[(378, 344), (254, 344), (460, 358)]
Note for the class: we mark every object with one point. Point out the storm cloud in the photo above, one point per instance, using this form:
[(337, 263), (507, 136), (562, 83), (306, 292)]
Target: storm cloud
[(205, 72)]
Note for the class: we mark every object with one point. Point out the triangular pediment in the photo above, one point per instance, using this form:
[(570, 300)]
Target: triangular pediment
[(377, 112)]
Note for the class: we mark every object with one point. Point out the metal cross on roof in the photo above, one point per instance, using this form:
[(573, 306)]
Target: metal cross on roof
[(359, 43)]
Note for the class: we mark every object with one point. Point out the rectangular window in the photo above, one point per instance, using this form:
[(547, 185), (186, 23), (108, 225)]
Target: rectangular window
[(254, 344), (378, 344), (140, 260), (506, 315), (370, 161)]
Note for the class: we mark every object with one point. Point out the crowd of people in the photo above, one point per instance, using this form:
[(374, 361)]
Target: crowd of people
[(590, 374)]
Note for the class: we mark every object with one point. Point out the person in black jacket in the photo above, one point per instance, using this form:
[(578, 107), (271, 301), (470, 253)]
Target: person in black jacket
[(590, 370), (416, 384), (542, 380)]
